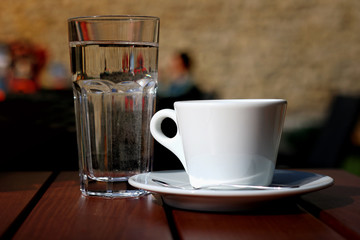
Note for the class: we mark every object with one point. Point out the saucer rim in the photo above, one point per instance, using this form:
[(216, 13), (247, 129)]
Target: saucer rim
[(322, 182)]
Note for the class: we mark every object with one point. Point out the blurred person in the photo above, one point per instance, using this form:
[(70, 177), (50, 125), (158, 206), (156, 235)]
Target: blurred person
[(180, 78), (181, 85)]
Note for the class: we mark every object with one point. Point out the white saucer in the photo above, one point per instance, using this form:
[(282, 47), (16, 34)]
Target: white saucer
[(226, 200)]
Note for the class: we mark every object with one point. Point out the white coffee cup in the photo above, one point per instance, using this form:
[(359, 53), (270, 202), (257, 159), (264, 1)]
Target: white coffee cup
[(225, 141)]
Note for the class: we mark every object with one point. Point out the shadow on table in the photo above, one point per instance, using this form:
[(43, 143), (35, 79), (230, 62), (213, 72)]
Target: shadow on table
[(284, 206), (328, 200)]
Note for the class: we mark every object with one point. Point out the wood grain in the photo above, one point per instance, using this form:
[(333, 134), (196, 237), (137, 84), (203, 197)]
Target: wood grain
[(17, 190), (63, 213), (339, 205)]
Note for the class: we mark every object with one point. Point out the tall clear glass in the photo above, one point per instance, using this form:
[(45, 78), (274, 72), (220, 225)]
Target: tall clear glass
[(114, 62)]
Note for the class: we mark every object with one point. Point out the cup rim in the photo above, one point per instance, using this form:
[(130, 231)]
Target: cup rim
[(233, 101), (95, 18)]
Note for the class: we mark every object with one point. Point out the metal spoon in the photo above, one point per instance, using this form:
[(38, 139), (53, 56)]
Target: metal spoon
[(229, 186)]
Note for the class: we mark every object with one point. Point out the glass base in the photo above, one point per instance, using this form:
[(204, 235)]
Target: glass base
[(120, 194), (110, 189)]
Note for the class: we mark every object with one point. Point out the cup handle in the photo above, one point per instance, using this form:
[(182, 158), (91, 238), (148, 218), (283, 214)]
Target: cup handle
[(173, 144)]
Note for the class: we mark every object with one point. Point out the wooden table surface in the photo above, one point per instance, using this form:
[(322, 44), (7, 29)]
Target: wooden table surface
[(46, 205)]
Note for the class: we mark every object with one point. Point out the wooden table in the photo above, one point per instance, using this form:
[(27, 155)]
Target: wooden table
[(46, 205)]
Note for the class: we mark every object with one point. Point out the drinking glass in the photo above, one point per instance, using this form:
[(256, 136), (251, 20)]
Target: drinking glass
[(114, 62)]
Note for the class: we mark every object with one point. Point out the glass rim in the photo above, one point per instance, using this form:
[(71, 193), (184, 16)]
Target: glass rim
[(113, 18)]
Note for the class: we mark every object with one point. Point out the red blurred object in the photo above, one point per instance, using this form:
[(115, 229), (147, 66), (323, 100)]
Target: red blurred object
[(27, 62), (140, 65)]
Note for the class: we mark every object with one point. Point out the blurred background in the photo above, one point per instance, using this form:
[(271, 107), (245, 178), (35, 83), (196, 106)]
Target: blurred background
[(307, 52)]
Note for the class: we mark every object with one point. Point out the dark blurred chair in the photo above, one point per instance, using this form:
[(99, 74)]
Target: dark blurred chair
[(326, 145), (333, 143), (37, 132)]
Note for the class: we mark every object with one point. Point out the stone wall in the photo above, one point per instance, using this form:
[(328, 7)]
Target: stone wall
[(303, 51)]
